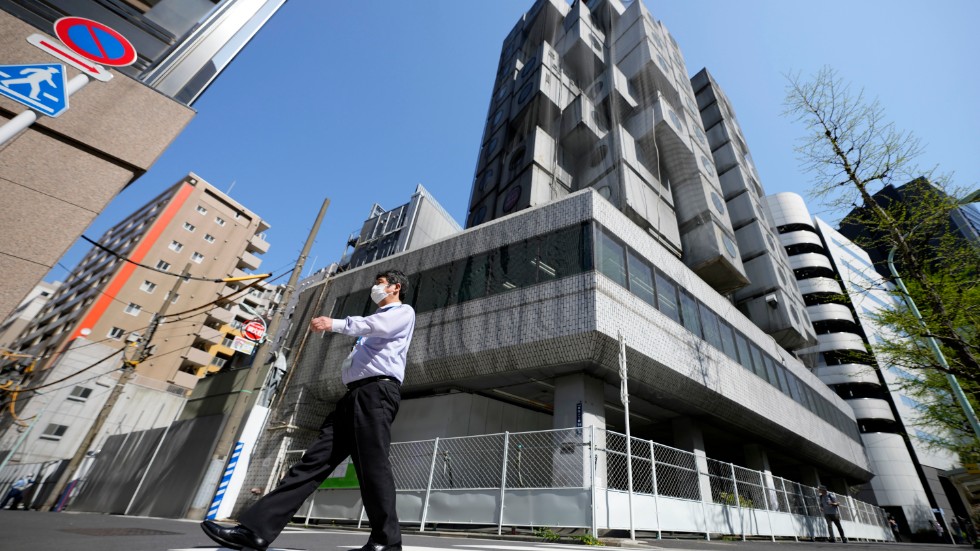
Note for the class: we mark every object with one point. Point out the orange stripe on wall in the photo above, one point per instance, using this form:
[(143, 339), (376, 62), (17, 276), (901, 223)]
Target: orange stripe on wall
[(122, 276)]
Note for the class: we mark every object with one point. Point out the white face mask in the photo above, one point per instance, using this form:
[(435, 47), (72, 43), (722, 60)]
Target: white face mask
[(378, 292)]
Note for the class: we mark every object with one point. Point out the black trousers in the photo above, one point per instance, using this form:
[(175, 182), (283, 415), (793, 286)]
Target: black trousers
[(360, 427), (831, 520)]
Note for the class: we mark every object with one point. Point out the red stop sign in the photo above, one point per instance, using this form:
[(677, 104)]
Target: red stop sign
[(254, 330)]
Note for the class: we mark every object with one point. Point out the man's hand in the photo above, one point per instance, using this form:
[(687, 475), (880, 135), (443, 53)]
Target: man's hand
[(321, 323)]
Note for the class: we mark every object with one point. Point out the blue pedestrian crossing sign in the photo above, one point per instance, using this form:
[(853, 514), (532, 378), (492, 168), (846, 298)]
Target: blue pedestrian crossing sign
[(40, 86)]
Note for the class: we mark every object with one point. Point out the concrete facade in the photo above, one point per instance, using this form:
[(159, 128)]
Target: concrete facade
[(524, 333), (59, 174), (596, 94)]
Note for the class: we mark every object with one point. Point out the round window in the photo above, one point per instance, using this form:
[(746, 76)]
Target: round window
[(491, 147), (502, 93), (718, 203), (525, 93), (482, 184), (601, 121), (596, 43), (699, 134), (516, 158), (796, 317), (675, 119), (663, 62), (510, 200), (479, 215), (707, 164), (605, 191), (772, 244), (729, 245), (528, 67), (598, 156), (498, 117), (781, 276)]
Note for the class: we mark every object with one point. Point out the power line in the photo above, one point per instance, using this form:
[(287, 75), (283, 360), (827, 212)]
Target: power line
[(165, 272)]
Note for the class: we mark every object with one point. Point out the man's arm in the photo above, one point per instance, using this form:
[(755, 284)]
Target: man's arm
[(386, 324)]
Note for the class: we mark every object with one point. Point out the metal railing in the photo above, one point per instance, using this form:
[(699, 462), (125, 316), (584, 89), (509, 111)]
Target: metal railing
[(578, 478)]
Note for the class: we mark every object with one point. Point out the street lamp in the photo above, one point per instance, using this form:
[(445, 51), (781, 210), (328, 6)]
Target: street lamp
[(971, 416)]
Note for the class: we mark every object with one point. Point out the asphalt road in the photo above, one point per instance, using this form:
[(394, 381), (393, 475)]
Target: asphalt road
[(37, 531)]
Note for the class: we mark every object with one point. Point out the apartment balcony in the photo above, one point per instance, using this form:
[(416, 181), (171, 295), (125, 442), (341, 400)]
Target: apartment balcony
[(798, 238), (840, 341), (871, 408), (222, 315), (249, 261), (198, 357), (846, 374), (829, 312), (258, 244), (809, 260), (823, 285), (212, 336)]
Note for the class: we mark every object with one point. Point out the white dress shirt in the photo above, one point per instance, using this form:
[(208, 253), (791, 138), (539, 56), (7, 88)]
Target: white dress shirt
[(383, 344)]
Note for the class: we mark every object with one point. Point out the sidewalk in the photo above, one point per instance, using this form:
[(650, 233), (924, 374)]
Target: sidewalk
[(37, 531)]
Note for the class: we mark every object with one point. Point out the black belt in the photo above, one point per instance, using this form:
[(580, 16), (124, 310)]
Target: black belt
[(367, 380)]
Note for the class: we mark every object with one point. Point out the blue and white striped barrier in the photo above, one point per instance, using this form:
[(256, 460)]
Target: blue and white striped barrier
[(213, 511)]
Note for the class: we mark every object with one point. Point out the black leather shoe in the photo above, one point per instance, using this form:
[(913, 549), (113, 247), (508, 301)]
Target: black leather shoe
[(235, 537), (378, 547)]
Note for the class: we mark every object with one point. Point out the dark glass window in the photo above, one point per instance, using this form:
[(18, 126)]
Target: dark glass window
[(470, 277), (513, 266), (641, 278), (757, 365), (744, 356), (667, 297), (563, 253), (709, 320), (611, 258), (728, 340), (433, 292), (689, 311)]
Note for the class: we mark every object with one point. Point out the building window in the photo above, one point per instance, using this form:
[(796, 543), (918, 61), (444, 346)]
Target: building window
[(209, 238), (133, 309), (197, 257), (176, 246), (53, 432), (174, 297), (116, 333), (163, 265), (611, 258), (219, 220), (80, 394), (202, 210), (148, 286), (189, 227)]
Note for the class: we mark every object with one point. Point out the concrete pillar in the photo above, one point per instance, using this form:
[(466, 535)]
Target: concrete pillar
[(756, 458), (689, 437), (579, 404)]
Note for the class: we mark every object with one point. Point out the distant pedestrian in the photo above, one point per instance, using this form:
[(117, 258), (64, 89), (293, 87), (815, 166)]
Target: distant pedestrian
[(954, 529), (940, 532), (16, 492), (893, 524), (831, 513)]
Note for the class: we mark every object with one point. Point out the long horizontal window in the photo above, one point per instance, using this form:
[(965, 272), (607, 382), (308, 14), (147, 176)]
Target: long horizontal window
[(556, 255), (628, 268)]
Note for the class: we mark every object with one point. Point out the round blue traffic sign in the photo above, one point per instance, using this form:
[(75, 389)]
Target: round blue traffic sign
[(95, 41)]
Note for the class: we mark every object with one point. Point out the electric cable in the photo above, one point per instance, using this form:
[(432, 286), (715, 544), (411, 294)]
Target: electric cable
[(172, 274)]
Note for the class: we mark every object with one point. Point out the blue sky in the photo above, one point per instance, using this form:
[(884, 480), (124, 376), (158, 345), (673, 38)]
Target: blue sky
[(360, 101)]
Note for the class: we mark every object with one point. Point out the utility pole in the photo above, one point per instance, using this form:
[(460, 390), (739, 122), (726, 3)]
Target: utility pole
[(129, 371), (256, 376)]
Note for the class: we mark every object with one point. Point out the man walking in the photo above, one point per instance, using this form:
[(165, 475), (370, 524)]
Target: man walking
[(16, 492), (360, 427), (831, 513)]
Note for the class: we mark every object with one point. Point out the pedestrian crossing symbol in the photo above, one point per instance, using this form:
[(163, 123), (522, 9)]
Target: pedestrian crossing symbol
[(40, 86)]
